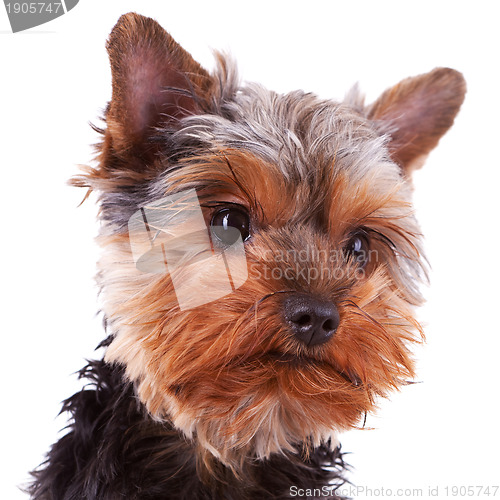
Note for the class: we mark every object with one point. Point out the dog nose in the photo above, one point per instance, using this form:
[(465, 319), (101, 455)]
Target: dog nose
[(312, 321)]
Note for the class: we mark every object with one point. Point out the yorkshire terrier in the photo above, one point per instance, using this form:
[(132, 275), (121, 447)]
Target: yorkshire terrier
[(259, 276)]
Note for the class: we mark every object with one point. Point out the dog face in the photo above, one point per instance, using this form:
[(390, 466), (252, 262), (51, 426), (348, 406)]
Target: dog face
[(318, 192)]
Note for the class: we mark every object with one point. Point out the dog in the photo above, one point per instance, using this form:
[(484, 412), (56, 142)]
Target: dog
[(259, 277)]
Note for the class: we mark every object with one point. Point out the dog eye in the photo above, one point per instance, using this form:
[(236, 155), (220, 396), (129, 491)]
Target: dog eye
[(228, 224), (357, 249)]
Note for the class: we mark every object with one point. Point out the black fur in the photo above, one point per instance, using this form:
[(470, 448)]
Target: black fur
[(114, 450)]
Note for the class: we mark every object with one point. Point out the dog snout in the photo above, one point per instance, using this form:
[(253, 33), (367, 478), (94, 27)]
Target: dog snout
[(313, 321)]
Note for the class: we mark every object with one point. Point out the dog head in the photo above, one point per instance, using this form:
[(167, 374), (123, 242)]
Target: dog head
[(285, 264)]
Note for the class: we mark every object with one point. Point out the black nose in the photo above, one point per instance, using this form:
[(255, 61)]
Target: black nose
[(312, 321)]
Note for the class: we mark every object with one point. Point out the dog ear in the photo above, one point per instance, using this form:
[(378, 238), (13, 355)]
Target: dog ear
[(155, 82), (417, 112)]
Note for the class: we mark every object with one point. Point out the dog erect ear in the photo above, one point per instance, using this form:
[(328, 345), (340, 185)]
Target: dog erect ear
[(155, 83), (417, 112)]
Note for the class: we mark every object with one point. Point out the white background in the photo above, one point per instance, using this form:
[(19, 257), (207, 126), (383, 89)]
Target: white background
[(55, 79)]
